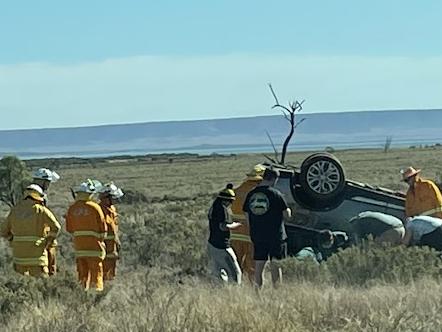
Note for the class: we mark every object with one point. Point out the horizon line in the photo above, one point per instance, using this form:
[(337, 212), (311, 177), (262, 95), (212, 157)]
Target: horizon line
[(218, 119)]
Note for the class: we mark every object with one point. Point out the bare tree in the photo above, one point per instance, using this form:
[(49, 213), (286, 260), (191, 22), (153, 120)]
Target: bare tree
[(387, 144), (290, 115), (13, 179)]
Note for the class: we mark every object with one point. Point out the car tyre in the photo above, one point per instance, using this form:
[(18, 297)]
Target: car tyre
[(322, 177)]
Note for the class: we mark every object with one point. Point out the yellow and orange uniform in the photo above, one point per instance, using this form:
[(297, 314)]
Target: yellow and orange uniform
[(51, 250), (29, 226), (240, 237), (423, 199), (111, 240), (85, 221)]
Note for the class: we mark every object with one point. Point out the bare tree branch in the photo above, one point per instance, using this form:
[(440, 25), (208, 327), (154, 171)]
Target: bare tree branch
[(272, 160), (289, 115), (273, 93), (299, 122), (273, 145), (283, 107)]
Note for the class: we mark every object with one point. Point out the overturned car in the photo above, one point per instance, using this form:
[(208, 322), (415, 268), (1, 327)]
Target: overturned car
[(321, 197)]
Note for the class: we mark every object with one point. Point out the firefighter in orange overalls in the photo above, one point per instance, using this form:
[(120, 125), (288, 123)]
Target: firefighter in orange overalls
[(86, 222), (109, 193), (239, 237)]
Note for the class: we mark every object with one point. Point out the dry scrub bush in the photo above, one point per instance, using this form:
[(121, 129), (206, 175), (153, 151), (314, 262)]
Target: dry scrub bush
[(358, 289), (143, 302), (368, 265), (162, 239)]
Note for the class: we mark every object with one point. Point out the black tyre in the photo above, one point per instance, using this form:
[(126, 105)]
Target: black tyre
[(322, 177)]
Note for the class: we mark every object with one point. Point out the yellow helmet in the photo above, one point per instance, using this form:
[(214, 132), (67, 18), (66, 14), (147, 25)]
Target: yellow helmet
[(227, 193), (256, 173)]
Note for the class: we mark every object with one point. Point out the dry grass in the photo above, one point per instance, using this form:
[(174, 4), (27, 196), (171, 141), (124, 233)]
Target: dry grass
[(163, 286), (147, 306)]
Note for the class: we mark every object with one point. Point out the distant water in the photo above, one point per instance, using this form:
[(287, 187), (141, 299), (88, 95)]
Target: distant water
[(232, 149)]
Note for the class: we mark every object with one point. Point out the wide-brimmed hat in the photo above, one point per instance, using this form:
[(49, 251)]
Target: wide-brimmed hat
[(227, 193), (256, 173), (409, 172)]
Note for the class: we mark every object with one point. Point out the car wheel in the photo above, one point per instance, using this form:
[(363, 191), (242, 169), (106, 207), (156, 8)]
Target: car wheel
[(322, 177)]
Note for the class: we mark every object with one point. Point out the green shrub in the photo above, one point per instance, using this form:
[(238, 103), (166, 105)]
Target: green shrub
[(367, 265), (370, 263)]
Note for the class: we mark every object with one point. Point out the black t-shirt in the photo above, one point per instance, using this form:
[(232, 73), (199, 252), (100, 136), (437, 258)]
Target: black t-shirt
[(219, 216), (264, 206)]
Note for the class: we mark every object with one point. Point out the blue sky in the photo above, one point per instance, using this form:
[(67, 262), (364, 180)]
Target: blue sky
[(90, 62)]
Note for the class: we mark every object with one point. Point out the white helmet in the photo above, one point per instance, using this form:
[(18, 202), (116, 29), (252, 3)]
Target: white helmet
[(112, 190), (89, 186), (46, 174), (34, 191), (36, 188)]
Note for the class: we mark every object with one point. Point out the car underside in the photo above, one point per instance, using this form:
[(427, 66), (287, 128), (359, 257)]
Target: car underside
[(320, 197)]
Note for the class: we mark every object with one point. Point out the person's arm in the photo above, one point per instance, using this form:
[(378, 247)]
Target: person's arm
[(246, 220), (69, 224), (116, 231), (286, 211), (406, 240), (101, 221), (53, 224), (287, 214), (434, 195), (408, 208), (246, 210), (5, 229)]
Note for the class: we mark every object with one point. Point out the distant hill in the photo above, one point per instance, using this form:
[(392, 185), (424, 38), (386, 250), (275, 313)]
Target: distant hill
[(346, 129)]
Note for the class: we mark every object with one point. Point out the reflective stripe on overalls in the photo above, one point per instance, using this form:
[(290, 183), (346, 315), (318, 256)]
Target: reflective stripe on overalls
[(431, 212), (90, 233), (36, 239)]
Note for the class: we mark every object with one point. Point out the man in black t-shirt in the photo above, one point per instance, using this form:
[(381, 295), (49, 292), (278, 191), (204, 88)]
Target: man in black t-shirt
[(222, 259), (265, 209)]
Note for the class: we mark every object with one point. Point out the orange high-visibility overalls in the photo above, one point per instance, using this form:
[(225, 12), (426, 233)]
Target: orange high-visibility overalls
[(85, 221), (240, 237), (112, 241)]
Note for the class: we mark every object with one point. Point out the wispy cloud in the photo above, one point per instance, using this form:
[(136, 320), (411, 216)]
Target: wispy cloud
[(176, 88)]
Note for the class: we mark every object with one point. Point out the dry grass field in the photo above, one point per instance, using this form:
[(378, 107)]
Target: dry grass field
[(162, 282)]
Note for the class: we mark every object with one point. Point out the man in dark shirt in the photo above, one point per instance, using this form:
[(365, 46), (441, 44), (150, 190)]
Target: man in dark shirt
[(265, 209), (222, 259)]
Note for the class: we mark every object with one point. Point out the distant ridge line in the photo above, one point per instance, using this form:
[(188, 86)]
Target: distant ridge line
[(315, 114)]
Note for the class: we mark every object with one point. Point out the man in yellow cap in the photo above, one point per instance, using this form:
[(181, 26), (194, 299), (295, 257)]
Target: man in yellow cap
[(31, 227), (240, 237), (423, 196)]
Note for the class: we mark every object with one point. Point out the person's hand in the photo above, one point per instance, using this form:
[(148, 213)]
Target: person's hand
[(48, 241), (118, 245), (233, 225)]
